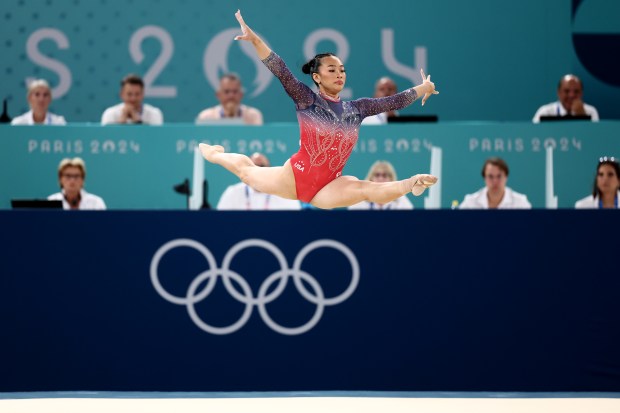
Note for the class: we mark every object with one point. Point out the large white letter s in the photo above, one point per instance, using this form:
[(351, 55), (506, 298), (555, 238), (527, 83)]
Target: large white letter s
[(32, 49)]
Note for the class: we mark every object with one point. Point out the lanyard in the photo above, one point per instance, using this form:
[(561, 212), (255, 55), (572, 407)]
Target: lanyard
[(381, 207), (600, 203), (223, 115), (248, 203)]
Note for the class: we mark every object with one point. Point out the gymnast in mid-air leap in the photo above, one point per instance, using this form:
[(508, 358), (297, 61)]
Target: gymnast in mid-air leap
[(329, 130)]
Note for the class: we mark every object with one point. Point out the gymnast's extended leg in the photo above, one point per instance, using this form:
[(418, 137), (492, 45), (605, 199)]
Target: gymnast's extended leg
[(348, 190), (276, 180)]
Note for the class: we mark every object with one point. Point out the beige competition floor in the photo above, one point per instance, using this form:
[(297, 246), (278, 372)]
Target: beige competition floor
[(310, 404)]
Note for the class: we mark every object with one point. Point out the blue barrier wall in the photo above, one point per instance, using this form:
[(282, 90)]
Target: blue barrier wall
[(136, 166), (491, 60), (442, 301)]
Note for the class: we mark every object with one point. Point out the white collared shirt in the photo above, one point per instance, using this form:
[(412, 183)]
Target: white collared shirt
[(511, 200), (399, 203), (592, 202), (28, 119), (378, 119), (150, 115), (242, 197), (248, 114), (87, 201), (556, 109)]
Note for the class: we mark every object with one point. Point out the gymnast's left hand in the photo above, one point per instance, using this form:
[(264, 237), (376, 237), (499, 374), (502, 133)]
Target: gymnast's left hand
[(428, 87)]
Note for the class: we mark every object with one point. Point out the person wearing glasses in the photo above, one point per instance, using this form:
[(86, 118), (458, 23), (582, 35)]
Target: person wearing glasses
[(243, 197), (39, 99), (229, 94), (495, 194), (383, 171), (71, 176), (606, 188)]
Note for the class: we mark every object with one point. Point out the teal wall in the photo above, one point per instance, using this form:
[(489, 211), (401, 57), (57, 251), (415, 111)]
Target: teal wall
[(491, 60), (135, 167)]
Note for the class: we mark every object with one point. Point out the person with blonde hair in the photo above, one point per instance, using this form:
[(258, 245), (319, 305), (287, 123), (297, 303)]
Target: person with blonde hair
[(71, 177), (383, 171), (39, 98)]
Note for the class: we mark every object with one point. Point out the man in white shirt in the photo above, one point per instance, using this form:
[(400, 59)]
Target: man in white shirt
[(132, 109), (570, 103), (230, 93), (242, 197), (495, 195)]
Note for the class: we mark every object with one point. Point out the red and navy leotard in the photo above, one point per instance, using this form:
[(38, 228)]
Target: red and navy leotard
[(328, 130)]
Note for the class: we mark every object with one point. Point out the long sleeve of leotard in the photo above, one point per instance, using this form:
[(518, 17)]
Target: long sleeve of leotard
[(373, 106), (301, 94)]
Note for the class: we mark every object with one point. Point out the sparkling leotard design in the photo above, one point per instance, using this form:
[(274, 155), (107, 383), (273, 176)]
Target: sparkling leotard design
[(328, 130)]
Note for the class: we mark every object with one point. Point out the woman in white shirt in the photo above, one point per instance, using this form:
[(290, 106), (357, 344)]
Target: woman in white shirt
[(606, 188), (39, 98), (383, 171), (495, 194), (71, 176)]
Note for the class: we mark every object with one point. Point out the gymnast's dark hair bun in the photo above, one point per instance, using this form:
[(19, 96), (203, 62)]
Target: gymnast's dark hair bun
[(313, 64)]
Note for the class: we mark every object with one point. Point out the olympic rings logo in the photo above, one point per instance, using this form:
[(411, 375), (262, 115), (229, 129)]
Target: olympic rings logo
[(193, 296)]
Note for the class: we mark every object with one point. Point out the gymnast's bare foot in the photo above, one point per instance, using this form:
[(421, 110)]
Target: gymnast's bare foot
[(209, 150), (422, 182)]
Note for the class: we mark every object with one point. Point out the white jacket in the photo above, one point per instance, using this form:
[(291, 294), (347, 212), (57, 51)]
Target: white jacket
[(556, 109), (242, 197), (591, 202), (87, 200), (50, 119), (399, 203), (511, 200)]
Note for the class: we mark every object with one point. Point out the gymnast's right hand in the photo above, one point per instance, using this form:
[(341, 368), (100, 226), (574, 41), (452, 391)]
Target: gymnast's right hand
[(262, 50), (248, 34)]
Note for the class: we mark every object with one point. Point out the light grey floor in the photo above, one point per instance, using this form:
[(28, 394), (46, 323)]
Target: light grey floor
[(324, 402)]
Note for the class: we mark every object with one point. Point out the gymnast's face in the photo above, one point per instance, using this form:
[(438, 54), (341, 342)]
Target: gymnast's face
[(494, 178), (332, 76)]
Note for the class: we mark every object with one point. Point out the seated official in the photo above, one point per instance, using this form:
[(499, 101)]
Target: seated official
[(71, 176), (39, 98), (606, 188), (132, 110), (495, 194), (230, 94), (569, 103), (243, 197)]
